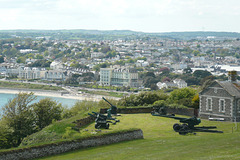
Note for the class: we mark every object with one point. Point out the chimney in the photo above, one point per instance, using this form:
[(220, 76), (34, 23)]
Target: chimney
[(232, 76)]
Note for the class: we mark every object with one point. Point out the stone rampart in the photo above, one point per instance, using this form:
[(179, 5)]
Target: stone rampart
[(83, 122), (180, 111), (62, 147)]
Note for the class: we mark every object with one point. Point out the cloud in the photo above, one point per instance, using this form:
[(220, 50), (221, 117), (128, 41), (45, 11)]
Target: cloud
[(151, 15)]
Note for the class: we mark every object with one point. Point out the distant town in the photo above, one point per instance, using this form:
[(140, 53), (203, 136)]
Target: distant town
[(134, 60)]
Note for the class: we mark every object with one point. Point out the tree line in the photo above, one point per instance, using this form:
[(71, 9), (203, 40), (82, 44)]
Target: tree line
[(184, 97)]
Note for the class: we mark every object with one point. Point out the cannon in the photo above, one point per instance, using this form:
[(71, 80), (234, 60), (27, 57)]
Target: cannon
[(102, 121), (188, 124), (113, 109)]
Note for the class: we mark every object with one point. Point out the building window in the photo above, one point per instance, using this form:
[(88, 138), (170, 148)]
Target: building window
[(221, 105), (209, 104), (238, 106)]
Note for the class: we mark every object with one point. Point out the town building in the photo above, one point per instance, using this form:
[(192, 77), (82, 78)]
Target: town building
[(119, 76), (56, 65), (59, 75), (28, 73), (177, 83), (180, 83), (221, 99)]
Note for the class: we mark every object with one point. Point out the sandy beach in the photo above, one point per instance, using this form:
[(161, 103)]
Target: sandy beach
[(48, 93)]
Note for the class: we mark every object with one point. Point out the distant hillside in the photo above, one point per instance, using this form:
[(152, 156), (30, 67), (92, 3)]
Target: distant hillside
[(193, 35), (109, 34)]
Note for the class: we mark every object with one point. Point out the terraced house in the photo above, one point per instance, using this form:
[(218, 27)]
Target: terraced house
[(221, 100), (119, 76)]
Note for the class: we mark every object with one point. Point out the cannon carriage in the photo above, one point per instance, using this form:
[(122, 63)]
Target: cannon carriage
[(186, 125)]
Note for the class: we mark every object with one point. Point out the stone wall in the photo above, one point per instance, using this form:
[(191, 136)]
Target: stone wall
[(129, 110), (183, 111), (61, 147), (83, 122), (180, 111)]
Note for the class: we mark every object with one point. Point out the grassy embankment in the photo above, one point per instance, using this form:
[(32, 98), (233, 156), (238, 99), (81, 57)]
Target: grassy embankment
[(161, 142), (16, 85)]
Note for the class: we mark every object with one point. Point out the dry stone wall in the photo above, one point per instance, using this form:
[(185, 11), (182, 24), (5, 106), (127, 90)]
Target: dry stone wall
[(61, 147)]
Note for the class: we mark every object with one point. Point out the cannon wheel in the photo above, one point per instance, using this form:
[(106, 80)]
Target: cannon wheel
[(182, 131), (185, 126), (97, 126), (176, 127), (107, 125)]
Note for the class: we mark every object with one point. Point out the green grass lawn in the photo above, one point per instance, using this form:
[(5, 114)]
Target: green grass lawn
[(161, 142)]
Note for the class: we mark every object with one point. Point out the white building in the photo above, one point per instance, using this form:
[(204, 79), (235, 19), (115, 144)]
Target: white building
[(166, 85), (53, 75), (142, 63), (29, 73), (56, 65), (119, 76), (97, 54), (178, 83)]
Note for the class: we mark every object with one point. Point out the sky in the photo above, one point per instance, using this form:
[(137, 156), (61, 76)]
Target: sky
[(136, 15)]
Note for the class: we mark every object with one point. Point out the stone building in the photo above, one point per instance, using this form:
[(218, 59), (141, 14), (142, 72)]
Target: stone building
[(221, 100)]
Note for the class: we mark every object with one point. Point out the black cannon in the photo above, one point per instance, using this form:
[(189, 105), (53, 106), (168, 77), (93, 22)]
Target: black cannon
[(102, 121), (188, 124), (113, 109)]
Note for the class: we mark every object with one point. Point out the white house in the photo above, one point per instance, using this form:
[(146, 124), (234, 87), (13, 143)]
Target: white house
[(56, 65), (179, 83), (97, 54)]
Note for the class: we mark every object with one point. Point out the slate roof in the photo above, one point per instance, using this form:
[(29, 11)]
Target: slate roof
[(233, 88)]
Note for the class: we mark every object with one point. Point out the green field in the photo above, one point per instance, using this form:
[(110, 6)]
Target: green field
[(161, 142)]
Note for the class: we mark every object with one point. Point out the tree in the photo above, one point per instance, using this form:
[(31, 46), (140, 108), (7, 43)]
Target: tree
[(144, 98), (39, 56), (201, 73), (164, 70), (1, 59), (21, 60), (5, 135), (195, 52), (207, 81), (187, 70), (195, 101), (45, 111), (18, 116), (105, 49), (150, 74), (182, 96)]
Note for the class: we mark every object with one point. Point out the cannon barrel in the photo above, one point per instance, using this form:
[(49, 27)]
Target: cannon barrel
[(190, 121), (107, 101), (113, 109), (95, 113), (92, 115)]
